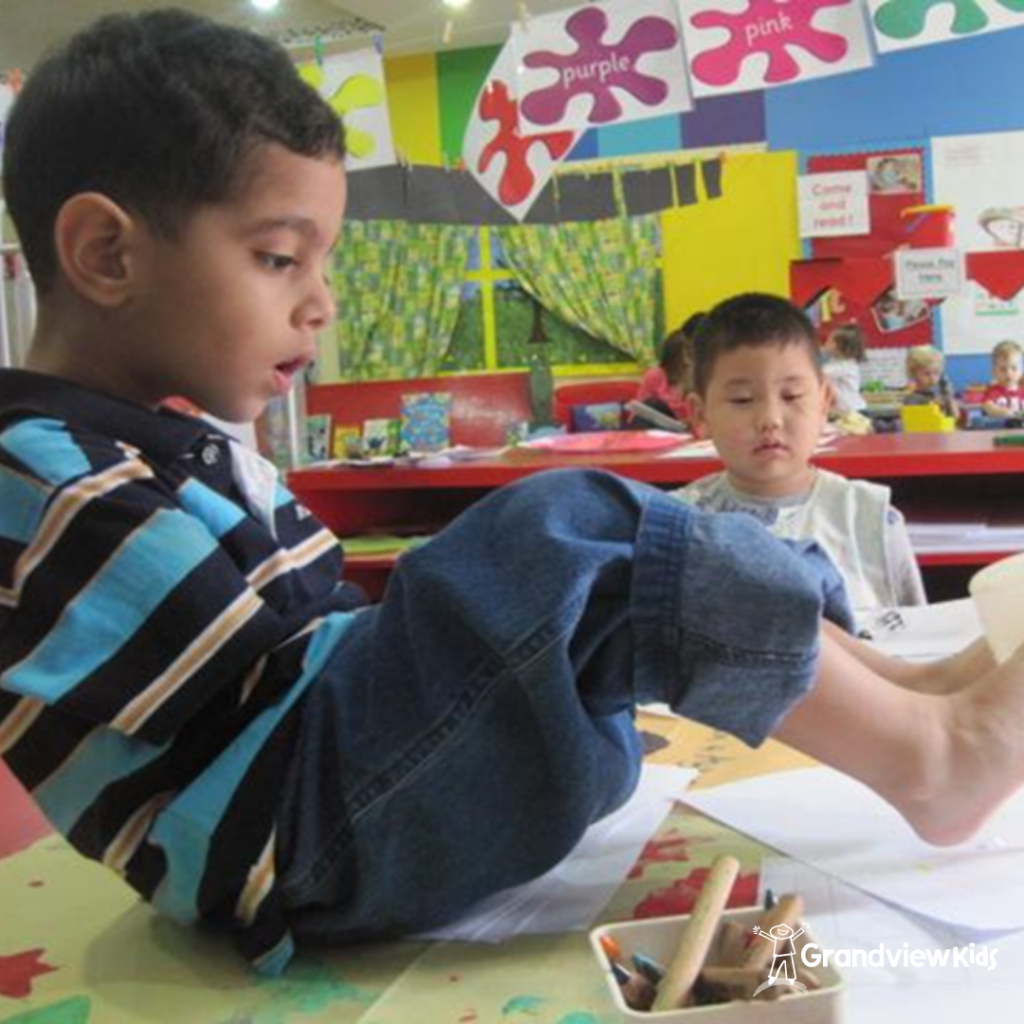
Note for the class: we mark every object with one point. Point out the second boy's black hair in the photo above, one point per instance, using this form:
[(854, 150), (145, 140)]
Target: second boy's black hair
[(156, 111), (750, 320)]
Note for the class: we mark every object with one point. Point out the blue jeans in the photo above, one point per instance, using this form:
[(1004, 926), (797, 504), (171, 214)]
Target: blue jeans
[(470, 727)]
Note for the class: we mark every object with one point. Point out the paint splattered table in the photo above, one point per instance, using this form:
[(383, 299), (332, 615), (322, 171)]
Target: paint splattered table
[(76, 947)]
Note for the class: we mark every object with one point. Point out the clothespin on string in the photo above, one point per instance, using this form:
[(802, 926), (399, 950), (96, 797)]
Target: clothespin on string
[(524, 15), (318, 50)]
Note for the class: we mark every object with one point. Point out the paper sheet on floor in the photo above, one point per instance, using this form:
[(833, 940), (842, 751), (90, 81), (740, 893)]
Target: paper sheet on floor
[(840, 826), (843, 918), (572, 894)]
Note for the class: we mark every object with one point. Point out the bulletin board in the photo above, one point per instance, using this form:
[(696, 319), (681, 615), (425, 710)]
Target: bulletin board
[(896, 181)]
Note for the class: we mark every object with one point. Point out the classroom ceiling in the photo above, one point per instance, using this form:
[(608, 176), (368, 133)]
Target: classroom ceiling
[(29, 27)]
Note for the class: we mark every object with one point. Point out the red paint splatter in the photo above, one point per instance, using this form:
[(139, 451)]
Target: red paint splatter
[(672, 849), (17, 972), (454, 978), (468, 1017), (36, 883), (680, 896), (517, 179)]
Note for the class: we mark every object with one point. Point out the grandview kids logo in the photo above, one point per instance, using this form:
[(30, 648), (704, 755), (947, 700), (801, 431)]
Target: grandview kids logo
[(971, 955), (783, 970)]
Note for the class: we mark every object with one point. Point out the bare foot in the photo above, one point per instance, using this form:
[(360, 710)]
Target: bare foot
[(972, 763), (952, 674)]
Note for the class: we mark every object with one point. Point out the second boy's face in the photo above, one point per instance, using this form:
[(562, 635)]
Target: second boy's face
[(765, 408), (925, 376), (1009, 370), (227, 313)]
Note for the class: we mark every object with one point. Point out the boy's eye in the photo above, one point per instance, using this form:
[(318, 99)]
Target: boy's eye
[(275, 261), (792, 397), (740, 400)]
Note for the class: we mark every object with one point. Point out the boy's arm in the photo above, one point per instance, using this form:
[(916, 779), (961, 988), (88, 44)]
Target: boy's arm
[(125, 609)]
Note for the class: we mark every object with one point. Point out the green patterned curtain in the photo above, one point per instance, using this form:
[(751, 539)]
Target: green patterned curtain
[(398, 287), (600, 276)]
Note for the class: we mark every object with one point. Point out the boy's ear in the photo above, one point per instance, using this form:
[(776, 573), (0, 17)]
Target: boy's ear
[(697, 418), (828, 395), (93, 238)]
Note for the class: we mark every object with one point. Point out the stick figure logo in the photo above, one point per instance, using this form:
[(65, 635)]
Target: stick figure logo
[(783, 970)]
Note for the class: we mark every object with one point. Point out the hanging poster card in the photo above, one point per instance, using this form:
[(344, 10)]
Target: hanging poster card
[(353, 84), (928, 273), (902, 24), (606, 63), (833, 204), (980, 177), (740, 45), (512, 166)]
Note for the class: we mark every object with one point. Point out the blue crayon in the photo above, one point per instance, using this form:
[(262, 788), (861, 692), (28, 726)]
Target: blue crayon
[(650, 969)]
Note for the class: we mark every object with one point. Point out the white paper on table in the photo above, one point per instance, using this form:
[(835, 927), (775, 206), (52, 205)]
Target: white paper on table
[(842, 917), (571, 895), (840, 826), (923, 632)]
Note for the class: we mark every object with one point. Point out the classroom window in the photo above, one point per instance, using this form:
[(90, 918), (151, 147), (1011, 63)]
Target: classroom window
[(496, 322)]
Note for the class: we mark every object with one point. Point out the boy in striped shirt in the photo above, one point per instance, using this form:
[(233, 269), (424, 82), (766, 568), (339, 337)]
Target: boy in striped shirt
[(188, 691)]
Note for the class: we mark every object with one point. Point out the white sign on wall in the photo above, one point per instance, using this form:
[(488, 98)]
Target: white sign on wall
[(739, 45), (832, 204), (605, 63), (929, 273), (353, 84)]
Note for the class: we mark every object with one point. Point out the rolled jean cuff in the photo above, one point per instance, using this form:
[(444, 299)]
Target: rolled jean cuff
[(726, 618)]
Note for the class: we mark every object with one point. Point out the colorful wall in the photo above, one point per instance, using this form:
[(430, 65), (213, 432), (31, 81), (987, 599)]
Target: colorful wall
[(907, 98)]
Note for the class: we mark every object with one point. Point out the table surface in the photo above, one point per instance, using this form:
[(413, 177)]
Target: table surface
[(878, 456)]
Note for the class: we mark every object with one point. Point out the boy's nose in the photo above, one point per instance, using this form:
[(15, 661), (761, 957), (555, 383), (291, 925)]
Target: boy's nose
[(769, 415), (319, 308)]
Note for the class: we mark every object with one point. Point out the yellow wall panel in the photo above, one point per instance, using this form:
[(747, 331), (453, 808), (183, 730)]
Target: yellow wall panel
[(415, 111), (741, 242)]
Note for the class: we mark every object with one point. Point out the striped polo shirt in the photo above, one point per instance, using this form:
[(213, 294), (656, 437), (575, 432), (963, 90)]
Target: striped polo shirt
[(159, 623)]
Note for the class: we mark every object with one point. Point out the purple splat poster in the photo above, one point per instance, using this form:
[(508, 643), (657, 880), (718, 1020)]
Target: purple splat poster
[(605, 63), (739, 45)]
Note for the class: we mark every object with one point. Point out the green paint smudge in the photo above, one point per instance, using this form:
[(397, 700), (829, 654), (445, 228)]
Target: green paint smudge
[(579, 1018), (308, 988), (523, 1004), (68, 1011)]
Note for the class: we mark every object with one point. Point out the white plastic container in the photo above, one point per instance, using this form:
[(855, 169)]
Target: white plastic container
[(998, 593), (658, 938)]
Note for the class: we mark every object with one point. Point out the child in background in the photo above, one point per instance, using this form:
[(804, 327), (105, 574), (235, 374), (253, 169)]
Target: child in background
[(665, 386), (1004, 397), (844, 351), (927, 382), (184, 689), (761, 396)]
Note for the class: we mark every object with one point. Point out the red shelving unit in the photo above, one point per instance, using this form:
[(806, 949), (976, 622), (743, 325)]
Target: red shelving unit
[(938, 470)]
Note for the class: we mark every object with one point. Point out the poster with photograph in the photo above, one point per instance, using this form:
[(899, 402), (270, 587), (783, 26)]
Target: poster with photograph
[(980, 177), (902, 24), (353, 84), (606, 63), (895, 172), (740, 45), (513, 166)]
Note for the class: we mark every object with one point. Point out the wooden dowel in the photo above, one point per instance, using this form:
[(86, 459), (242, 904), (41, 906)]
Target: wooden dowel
[(675, 988)]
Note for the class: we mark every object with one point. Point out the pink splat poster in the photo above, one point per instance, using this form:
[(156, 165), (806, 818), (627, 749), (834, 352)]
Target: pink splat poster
[(602, 64), (513, 166), (739, 45)]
